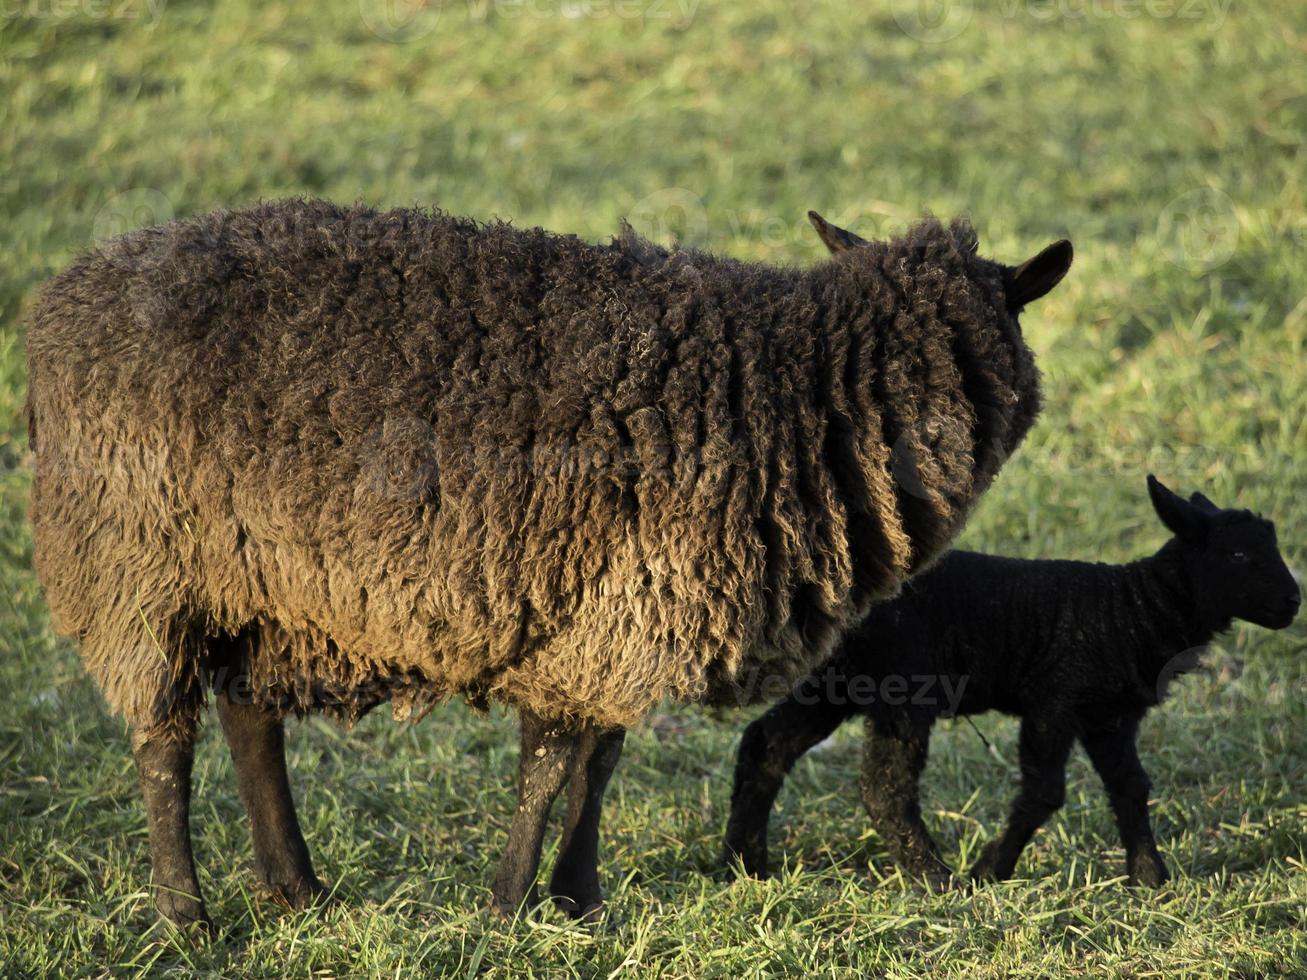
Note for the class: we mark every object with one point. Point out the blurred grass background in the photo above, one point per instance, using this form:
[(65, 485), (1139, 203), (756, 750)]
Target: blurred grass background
[(1166, 138)]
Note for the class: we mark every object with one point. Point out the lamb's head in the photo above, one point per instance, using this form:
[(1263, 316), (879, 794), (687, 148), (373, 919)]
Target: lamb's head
[(1231, 557)]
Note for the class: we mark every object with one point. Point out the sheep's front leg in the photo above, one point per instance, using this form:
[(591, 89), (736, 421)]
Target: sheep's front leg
[(1044, 751), (256, 739), (575, 881), (771, 746), (548, 751), (1116, 759), (894, 755), (163, 762)]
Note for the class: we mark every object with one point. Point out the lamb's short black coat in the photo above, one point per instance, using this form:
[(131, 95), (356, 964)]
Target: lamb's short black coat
[(1078, 651)]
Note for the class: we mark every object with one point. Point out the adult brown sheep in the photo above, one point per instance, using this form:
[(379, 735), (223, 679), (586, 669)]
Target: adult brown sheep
[(322, 457)]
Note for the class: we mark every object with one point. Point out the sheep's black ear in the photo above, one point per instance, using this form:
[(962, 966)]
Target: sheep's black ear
[(1181, 518), (836, 238), (1202, 503), (1035, 277)]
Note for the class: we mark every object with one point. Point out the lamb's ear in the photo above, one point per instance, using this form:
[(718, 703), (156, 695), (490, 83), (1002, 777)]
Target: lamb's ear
[(1181, 518), (1035, 277), (836, 238), (1202, 503)]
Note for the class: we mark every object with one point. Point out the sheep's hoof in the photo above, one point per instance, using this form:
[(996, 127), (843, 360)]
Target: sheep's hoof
[(185, 918), (940, 882), (299, 895), (506, 908)]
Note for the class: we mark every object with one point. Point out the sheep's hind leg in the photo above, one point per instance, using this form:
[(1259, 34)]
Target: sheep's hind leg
[(575, 881), (163, 761), (256, 739), (548, 751), (894, 755), (770, 747), (1044, 751), (1116, 759)]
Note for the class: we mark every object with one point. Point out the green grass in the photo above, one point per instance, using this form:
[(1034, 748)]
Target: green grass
[(1165, 139)]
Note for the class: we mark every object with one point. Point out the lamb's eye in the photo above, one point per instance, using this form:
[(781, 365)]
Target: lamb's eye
[(1239, 556)]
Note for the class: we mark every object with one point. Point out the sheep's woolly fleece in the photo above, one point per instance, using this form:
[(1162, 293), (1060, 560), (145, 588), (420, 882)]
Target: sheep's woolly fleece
[(407, 456)]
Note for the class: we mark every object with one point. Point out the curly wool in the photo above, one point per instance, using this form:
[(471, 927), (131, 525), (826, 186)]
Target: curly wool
[(406, 456)]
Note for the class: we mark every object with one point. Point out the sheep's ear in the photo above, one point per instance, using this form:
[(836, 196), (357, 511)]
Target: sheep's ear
[(1035, 277), (836, 238), (1202, 503), (1181, 518)]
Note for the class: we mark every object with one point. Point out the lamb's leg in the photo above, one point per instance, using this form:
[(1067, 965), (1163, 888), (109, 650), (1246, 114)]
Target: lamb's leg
[(163, 762), (257, 742), (771, 746), (1116, 758), (894, 756), (548, 749), (575, 881), (1044, 751)]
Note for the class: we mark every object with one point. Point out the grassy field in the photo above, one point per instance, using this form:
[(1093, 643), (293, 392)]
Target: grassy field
[(1164, 137)]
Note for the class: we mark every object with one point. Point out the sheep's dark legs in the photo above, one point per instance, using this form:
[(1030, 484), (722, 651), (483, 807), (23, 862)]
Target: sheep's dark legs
[(548, 750), (770, 747), (575, 881), (894, 756), (163, 762), (257, 742), (1116, 759), (1044, 753)]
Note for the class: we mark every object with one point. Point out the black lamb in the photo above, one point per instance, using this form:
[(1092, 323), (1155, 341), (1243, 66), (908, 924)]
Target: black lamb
[(1075, 650)]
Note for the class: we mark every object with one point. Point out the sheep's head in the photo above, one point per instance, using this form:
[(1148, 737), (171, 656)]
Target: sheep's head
[(1231, 557), (934, 272), (1021, 284)]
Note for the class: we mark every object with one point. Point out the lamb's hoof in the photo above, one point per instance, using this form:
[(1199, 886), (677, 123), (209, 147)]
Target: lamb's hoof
[(983, 873), (581, 901), (735, 859), (1148, 874), (591, 911)]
